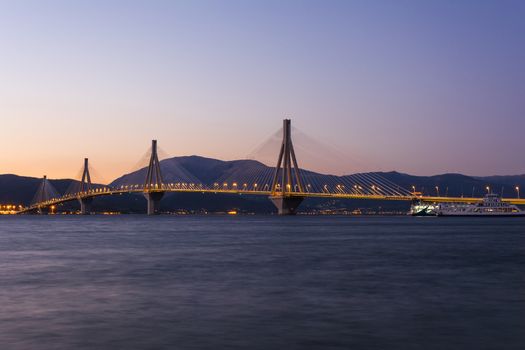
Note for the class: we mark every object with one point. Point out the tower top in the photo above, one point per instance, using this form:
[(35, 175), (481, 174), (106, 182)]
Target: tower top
[(153, 179)]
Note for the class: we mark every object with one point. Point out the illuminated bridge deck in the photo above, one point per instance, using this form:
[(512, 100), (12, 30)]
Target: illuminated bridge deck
[(200, 189)]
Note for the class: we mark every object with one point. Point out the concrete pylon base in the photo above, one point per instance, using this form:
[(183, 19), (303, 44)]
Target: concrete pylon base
[(153, 199), (85, 205), (286, 205)]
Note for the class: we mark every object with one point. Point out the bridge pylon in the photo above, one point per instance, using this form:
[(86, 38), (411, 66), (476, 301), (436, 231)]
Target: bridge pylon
[(287, 186), (43, 195), (154, 185), (84, 189)]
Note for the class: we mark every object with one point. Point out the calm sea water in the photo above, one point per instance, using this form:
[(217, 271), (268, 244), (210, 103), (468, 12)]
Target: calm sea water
[(201, 282)]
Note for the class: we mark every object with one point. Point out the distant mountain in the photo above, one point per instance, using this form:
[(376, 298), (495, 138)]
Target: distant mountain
[(194, 169), (208, 171), (510, 182), (20, 190), (456, 185)]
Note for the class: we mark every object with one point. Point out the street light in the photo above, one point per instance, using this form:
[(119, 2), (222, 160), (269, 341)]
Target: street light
[(488, 189), (518, 191), (437, 190)]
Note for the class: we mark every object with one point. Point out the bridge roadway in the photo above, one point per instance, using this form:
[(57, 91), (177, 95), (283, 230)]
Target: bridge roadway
[(106, 191)]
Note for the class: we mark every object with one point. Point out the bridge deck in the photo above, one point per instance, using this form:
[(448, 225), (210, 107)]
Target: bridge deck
[(108, 192)]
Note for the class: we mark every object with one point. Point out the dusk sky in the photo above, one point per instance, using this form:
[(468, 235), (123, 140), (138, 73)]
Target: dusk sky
[(423, 87)]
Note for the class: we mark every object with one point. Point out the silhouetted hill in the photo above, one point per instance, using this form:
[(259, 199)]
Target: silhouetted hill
[(194, 169), (510, 182), (21, 189), (456, 185), (206, 170)]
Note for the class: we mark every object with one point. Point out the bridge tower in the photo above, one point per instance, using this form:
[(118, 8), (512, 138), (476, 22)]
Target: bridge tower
[(41, 194), (153, 185), (44, 194), (286, 192), (84, 189)]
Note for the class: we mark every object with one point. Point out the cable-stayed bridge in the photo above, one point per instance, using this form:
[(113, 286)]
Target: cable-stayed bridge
[(286, 184)]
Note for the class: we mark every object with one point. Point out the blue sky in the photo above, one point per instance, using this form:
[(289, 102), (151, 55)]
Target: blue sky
[(423, 87)]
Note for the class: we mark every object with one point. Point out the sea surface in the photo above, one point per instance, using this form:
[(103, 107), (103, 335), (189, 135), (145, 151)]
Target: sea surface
[(261, 282)]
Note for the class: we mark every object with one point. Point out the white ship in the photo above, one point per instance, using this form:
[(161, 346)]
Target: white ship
[(490, 206)]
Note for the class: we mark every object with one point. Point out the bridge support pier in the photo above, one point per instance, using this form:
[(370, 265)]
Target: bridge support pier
[(286, 205), (85, 205), (153, 199)]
